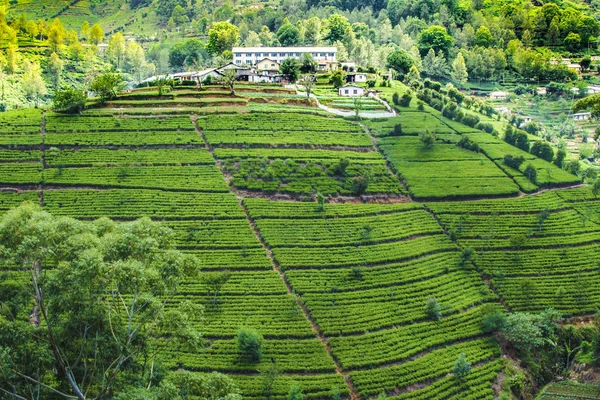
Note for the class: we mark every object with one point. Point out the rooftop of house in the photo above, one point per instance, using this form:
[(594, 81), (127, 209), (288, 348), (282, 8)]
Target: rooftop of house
[(307, 49)]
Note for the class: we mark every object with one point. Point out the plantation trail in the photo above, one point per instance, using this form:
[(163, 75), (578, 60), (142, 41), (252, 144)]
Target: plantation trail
[(277, 268)]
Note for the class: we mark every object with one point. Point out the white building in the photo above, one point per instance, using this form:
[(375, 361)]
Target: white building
[(581, 116), (252, 55), (593, 89), (498, 95), (351, 91)]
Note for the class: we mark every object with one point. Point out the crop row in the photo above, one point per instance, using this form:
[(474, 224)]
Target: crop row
[(289, 355), (287, 137), (21, 173), (530, 262), (104, 157), (475, 386), (291, 177), (203, 178), (246, 258), (136, 203), (433, 365), (20, 155), (347, 231), (573, 294), (12, 199), (396, 344), (123, 138), (298, 154), (341, 256), (262, 208), (271, 122), (361, 311), (273, 315), (74, 124), (388, 275), (412, 124), (314, 387), (239, 283), (21, 121), (570, 390), (213, 234), (20, 139), (527, 204), (445, 170)]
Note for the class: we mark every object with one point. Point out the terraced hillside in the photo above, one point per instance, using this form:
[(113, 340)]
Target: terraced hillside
[(339, 290)]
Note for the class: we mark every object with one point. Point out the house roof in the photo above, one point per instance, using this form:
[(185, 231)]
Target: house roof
[(285, 49), (268, 59), (351, 86)]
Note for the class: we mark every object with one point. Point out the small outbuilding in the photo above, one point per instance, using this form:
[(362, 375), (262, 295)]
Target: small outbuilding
[(498, 95), (356, 77), (351, 91), (581, 116)]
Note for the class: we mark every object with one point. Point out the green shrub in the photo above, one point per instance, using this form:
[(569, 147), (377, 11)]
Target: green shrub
[(249, 343), (69, 101)]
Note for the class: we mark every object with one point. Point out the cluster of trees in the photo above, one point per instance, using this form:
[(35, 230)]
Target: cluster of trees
[(85, 328)]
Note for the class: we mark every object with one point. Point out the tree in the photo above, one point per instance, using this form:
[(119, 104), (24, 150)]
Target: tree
[(309, 64), (400, 61), (337, 78), (542, 150), (591, 103), (230, 78), (56, 35), (96, 35), (531, 173), (69, 101), (462, 366), (222, 36), (164, 85), (135, 61), (164, 8), (528, 331), (179, 16), (572, 41), (85, 31), (290, 69), (288, 35), (215, 282), (434, 65), (212, 386), (93, 318), (115, 52), (32, 83), (459, 69), (55, 67), (321, 202), (107, 85), (32, 29), (312, 31), (295, 393), (483, 37), (360, 184), (433, 309), (357, 107), (596, 188), (435, 37), (249, 344), (308, 81), (336, 28), (428, 138)]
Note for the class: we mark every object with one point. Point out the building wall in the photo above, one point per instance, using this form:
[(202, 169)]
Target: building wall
[(267, 64), (252, 56)]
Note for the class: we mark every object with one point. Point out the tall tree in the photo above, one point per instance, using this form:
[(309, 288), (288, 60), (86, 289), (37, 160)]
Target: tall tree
[(56, 35), (55, 67), (96, 35), (222, 36), (95, 313), (32, 83), (459, 69), (435, 38), (116, 49)]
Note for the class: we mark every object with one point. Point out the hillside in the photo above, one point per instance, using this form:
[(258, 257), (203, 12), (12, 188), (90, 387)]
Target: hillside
[(338, 291)]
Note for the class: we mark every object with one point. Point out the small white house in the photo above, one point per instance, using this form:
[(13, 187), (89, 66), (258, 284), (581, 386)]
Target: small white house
[(498, 95), (348, 66), (503, 110), (593, 89), (266, 64), (581, 116), (351, 91), (575, 67), (542, 91), (357, 77)]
